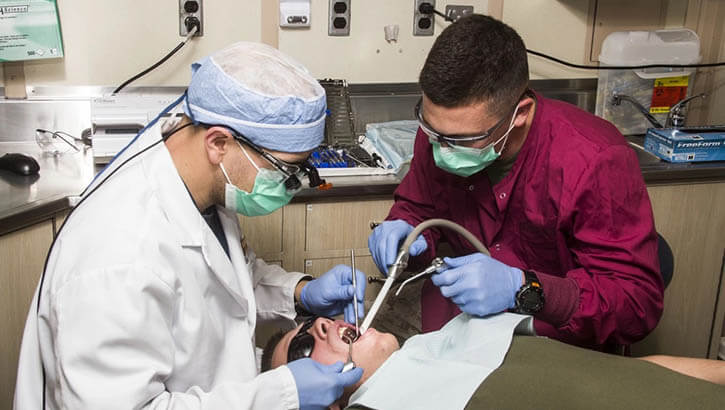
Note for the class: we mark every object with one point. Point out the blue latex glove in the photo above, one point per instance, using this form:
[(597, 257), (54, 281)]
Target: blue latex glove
[(386, 239), (479, 284), (331, 294), (318, 385)]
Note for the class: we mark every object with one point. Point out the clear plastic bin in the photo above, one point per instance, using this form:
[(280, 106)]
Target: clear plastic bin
[(628, 48)]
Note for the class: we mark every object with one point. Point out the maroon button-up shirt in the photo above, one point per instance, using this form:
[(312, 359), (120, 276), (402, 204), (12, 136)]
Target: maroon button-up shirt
[(574, 209)]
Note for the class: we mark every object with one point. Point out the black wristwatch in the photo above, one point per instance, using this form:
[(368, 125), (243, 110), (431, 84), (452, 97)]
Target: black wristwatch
[(530, 297)]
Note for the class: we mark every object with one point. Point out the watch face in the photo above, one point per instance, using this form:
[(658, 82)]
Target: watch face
[(531, 299)]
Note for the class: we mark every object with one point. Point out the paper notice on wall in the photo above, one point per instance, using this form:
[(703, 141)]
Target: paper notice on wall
[(29, 30)]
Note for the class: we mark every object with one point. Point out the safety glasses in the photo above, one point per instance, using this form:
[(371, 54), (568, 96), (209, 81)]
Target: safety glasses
[(56, 142), (458, 139), (303, 342)]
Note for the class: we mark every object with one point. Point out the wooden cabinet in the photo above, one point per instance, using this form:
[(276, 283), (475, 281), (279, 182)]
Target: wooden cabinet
[(333, 228), (264, 235), (342, 225), (23, 256), (58, 220), (314, 237), (691, 219)]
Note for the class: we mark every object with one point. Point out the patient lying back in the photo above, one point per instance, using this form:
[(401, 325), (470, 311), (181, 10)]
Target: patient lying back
[(562, 376)]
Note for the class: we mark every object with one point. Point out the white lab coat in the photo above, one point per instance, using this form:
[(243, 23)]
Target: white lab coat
[(142, 308)]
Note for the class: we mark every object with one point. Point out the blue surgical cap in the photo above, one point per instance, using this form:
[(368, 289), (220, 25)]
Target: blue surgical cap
[(260, 93)]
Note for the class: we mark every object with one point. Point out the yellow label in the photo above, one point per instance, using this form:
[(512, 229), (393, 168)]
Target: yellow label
[(667, 92), (681, 81)]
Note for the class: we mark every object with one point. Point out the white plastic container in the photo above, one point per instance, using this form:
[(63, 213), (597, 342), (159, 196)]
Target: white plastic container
[(632, 48)]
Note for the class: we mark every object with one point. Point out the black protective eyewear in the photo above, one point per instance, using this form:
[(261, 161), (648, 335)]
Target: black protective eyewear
[(303, 342), (292, 172)]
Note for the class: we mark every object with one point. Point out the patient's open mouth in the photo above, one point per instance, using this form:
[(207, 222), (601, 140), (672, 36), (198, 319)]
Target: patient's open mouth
[(347, 334)]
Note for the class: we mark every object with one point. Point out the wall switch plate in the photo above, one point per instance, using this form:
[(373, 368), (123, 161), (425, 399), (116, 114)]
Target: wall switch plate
[(191, 9), (455, 12), (294, 13), (423, 24), (339, 18)]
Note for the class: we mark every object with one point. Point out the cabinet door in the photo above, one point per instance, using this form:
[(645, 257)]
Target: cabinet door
[(264, 235), (691, 219), (343, 225), (23, 256)]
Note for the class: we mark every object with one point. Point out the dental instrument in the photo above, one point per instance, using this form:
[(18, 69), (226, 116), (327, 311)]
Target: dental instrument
[(401, 261), (354, 294), (432, 268)]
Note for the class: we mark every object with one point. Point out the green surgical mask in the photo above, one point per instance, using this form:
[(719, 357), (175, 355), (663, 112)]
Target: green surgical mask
[(268, 194), (466, 161)]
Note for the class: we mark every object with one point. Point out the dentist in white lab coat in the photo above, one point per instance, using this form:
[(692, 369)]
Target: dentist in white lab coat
[(150, 296)]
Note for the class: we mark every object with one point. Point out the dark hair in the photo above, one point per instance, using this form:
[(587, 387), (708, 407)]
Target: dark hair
[(269, 350), (476, 59)]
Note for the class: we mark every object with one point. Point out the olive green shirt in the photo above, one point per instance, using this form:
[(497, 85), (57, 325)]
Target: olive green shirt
[(541, 373)]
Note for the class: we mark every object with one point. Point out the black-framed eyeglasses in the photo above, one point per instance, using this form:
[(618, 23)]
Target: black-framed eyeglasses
[(303, 342), (458, 139), (292, 172)]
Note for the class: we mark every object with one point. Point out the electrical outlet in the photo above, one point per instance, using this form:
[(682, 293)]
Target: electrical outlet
[(339, 18), (189, 10), (423, 23), (455, 12)]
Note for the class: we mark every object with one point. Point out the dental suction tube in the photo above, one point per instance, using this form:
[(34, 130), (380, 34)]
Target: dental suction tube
[(401, 261)]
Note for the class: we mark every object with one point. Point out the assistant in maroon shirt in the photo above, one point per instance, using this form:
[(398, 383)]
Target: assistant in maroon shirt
[(565, 199)]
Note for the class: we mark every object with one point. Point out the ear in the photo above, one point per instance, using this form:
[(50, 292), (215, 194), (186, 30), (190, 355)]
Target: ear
[(522, 115), (217, 142), (334, 406)]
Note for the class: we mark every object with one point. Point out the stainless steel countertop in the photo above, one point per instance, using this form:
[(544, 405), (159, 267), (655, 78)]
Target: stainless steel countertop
[(28, 200), (25, 200)]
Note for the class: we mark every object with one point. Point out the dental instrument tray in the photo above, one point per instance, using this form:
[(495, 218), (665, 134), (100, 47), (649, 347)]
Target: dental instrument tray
[(689, 144), (343, 153)]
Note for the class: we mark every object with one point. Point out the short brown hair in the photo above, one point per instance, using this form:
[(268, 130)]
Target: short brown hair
[(476, 59)]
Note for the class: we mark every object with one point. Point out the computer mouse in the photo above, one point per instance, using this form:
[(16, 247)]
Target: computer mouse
[(20, 164)]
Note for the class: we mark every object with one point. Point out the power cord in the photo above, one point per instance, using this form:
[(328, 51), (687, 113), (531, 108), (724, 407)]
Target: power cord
[(192, 24), (427, 8), (623, 67)]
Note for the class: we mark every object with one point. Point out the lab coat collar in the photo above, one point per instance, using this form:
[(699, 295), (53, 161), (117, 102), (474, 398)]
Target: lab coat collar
[(192, 230), (166, 182)]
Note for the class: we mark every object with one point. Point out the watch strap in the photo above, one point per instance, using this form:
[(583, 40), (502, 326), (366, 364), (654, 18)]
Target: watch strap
[(530, 297)]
